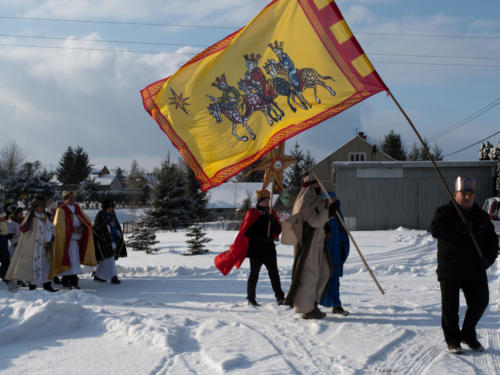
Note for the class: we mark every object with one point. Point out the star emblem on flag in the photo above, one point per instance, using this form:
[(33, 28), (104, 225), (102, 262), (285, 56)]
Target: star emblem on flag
[(179, 101), (274, 164)]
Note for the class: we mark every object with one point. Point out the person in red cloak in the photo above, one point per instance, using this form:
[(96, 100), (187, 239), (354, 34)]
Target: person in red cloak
[(255, 240)]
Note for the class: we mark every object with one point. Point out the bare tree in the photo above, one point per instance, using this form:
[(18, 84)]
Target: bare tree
[(11, 159)]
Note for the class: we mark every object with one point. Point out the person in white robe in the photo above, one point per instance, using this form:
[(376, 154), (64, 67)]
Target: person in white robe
[(32, 258)]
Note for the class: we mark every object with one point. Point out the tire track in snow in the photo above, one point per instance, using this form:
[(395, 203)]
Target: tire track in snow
[(412, 356)]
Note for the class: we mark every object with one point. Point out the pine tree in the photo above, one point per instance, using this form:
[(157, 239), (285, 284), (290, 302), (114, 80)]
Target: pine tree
[(143, 238), (196, 240), (437, 153), (170, 208), (88, 190), (81, 165), (393, 146), (64, 171), (198, 200), (296, 172)]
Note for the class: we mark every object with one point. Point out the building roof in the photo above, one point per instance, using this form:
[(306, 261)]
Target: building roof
[(232, 194)]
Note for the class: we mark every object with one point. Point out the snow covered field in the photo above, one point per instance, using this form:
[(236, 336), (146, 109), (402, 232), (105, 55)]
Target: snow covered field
[(177, 314)]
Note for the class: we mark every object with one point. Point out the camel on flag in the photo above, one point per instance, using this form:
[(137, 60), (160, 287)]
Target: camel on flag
[(293, 66)]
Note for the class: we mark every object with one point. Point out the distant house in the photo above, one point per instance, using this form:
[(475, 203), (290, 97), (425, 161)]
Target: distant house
[(106, 182), (358, 149), (224, 200)]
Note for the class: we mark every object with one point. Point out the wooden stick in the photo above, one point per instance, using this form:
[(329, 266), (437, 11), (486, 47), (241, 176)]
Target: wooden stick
[(270, 210), (436, 168), (350, 236)]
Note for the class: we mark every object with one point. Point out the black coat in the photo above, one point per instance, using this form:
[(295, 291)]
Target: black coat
[(102, 239), (260, 245), (457, 256)]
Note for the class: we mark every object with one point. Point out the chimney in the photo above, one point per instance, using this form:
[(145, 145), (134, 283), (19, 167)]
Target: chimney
[(362, 135)]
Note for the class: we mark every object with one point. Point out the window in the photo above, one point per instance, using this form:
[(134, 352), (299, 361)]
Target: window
[(357, 156)]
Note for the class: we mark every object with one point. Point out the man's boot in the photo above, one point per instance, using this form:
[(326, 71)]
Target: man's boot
[(48, 287)]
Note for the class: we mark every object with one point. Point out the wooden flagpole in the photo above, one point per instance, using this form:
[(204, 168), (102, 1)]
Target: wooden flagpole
[(350, 236), (436, 168), (270, 210)]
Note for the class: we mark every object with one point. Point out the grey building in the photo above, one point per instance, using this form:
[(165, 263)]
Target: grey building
[(383, 195)]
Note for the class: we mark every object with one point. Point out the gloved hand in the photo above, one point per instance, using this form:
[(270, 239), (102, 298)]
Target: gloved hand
[(485, 263)]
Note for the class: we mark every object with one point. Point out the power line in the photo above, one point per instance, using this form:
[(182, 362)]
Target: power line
[(100, 40), (205, 45), (112, 22), (114, 50), (115, 22), (466, 120), (472, 145)]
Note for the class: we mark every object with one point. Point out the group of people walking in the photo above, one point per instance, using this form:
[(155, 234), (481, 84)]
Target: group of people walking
[(466, 240), (51, 243), (321, 247)]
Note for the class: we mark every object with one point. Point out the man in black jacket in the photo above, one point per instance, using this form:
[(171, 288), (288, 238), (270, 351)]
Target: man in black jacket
[(460, 266)]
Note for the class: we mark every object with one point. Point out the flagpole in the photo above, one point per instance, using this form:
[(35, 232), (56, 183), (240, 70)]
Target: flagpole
[(438, 171), (350, 236)]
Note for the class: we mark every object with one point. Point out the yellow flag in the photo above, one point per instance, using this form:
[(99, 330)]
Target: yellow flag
[(294, 65)]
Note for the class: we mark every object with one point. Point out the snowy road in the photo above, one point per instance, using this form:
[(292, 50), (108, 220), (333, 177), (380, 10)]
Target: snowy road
[(178, 315)]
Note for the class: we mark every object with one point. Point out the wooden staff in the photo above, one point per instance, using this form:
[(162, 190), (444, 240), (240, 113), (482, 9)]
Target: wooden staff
[(436, 168), (350, 235), (270, 210)]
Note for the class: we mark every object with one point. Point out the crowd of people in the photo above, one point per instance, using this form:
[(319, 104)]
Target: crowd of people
[(52, 241)]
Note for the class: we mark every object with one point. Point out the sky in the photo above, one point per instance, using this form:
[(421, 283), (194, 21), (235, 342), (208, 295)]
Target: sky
[(440, 59)]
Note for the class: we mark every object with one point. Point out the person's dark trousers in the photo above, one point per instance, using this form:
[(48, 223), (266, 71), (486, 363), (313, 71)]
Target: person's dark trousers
[(272, 269), (5, 260), (477, 298)]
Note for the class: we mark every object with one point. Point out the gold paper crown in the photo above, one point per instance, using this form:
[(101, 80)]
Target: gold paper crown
[(252, 57), (262, 194), (219, 80), (275, 47)]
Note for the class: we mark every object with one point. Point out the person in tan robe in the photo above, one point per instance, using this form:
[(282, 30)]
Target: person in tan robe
[(312, 263), (74, 242), (31, 260)]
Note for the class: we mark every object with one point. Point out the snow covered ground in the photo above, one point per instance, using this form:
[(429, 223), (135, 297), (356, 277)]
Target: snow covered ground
[(176, 314)]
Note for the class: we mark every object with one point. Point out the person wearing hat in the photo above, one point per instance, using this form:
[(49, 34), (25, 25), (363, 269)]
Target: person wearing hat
[(312, 264), (460, 266), (108, 242), (4, 245), (255, 240), (31, 260), (74, 242)]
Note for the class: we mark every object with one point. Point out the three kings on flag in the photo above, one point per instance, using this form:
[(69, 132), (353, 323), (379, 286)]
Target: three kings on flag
[(293, 66)]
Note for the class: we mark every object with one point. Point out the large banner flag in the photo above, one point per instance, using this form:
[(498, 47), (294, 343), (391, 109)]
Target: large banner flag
[(293, 66)]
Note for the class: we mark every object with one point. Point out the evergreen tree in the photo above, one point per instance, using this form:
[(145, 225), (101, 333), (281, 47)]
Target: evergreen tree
[(143, 238), (64, 171), (393, 146), (196, 240), (74, 166), (170, 208), (120, 175), (198, 200), (296, 172), (31, 180), (414, 153), (422, 153), (81, 165), (89, 190), (437, 153)]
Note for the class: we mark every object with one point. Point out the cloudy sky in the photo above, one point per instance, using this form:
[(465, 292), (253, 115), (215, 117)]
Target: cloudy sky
[(71, 72)]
